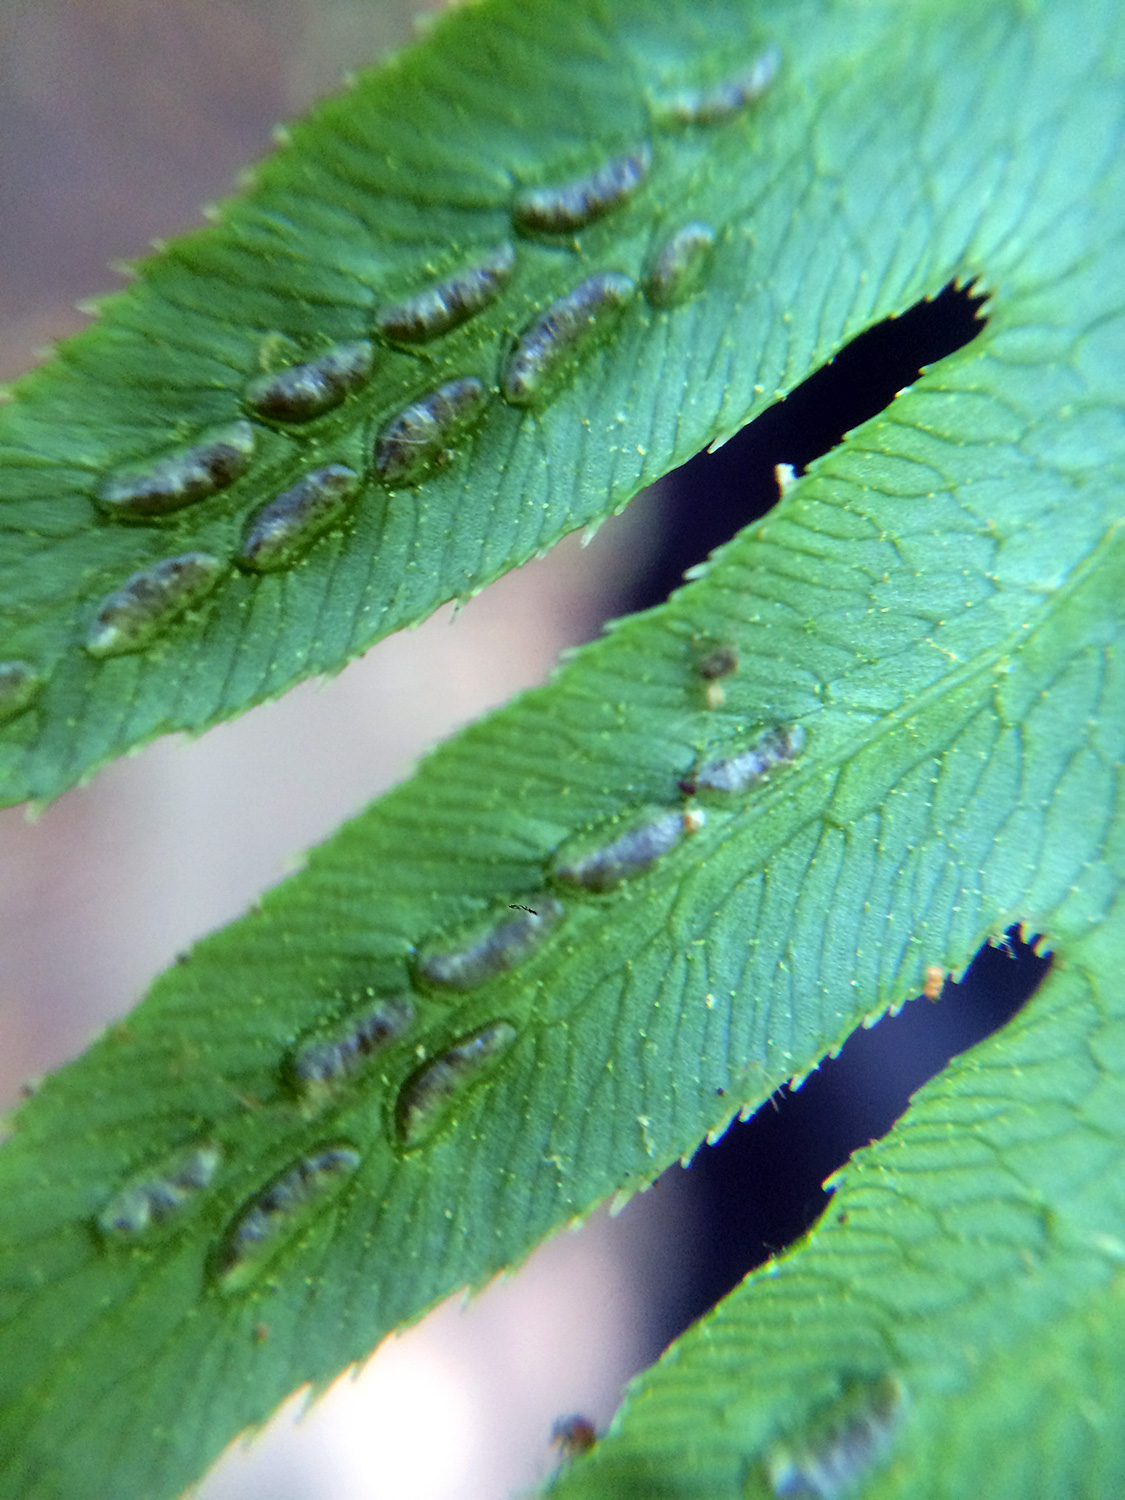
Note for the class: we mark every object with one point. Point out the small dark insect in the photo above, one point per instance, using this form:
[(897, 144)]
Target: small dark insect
[(573, 1436)]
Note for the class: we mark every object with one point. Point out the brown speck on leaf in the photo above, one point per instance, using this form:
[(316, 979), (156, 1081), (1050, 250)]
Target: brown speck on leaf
[(719, 662)]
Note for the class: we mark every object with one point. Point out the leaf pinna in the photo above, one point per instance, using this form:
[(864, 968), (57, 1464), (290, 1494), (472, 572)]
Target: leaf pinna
[(509, 289), (476, 302)]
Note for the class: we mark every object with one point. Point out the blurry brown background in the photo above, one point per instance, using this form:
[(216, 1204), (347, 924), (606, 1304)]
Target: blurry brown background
[(118, 119)]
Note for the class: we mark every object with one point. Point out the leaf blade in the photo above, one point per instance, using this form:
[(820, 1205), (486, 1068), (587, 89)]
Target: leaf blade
[(288, 269), (970, 1256), (917, 666)]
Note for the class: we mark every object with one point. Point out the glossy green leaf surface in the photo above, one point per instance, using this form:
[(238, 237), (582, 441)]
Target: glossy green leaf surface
[(386, 193), (308, 1132), (962, 1295)]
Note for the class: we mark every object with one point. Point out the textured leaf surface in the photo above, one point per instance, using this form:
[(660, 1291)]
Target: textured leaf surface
[(937, 606), (974, 1257), (407, 180)]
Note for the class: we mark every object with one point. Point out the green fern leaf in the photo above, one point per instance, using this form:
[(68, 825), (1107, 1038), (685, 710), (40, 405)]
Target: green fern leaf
[(597, 925)]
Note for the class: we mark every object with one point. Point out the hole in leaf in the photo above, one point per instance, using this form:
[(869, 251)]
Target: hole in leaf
[(759, 1188), (716, 494)]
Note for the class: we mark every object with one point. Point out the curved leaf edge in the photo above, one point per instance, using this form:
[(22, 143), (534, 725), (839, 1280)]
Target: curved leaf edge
[(863, 1298)]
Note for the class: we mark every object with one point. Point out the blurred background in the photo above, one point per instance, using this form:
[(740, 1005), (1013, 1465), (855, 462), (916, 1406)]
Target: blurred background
[(118, 119)]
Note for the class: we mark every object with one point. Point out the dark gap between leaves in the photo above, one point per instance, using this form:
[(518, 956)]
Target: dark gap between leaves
[(714, 495), (759, 1188)]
